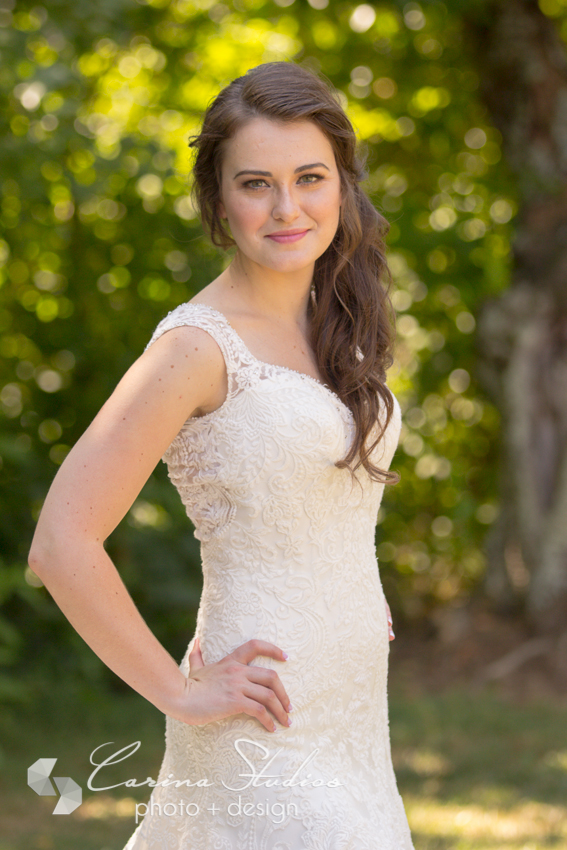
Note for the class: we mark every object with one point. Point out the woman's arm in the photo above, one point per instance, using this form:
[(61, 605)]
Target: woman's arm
[(180, 375), (183, 372)]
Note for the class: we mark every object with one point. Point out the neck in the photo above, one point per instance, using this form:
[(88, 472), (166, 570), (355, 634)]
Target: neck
[(281, 296)]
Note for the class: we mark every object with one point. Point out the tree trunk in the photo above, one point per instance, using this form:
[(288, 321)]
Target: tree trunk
[(522, 336)]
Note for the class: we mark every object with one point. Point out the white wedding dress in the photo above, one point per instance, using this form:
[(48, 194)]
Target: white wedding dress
[(288, 556)]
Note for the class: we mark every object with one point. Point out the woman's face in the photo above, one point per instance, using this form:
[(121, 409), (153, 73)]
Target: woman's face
[(281, 193)]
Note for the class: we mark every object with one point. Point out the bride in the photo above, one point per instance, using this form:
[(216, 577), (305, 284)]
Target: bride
[(266, 396)]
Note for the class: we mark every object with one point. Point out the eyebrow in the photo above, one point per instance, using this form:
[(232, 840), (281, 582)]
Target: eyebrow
[(269, 173)]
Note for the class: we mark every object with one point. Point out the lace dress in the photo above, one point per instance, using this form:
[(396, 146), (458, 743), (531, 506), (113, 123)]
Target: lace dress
[(288, 556)]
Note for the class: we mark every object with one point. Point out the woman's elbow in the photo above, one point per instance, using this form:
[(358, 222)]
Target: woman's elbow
[(47, 547), (39, 554), (56, 545)]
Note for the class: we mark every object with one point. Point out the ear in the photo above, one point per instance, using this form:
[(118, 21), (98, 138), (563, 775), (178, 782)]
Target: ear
[(221, 210)]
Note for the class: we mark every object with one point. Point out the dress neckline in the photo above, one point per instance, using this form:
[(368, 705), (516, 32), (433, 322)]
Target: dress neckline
[(304, 375)]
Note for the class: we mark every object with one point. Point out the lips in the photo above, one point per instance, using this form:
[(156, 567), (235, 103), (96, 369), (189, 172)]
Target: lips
[(285, 236)]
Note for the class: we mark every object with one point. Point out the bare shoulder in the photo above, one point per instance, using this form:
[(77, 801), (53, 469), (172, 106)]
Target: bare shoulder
[(188, 357), (214, 295), (186, 343)]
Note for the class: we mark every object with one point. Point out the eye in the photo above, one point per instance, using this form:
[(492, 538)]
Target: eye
[(252, 184), (311, 178)]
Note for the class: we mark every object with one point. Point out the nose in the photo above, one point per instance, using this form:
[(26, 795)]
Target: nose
[(285, 206)]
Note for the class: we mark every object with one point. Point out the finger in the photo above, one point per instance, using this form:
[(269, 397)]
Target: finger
[(248, 651), (267, 697), (260, 712), (270, 679), (195, 657)]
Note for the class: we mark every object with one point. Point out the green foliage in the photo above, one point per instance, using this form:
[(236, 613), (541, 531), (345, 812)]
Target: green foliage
[(99, 240)]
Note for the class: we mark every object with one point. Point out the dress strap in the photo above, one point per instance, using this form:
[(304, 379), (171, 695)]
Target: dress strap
[(202, 316)]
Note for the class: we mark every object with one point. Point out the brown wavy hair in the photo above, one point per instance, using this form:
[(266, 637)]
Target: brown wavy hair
[(351, 318)]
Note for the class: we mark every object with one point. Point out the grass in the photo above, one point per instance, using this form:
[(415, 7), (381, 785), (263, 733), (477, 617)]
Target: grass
[(475, 772), (478, 772)]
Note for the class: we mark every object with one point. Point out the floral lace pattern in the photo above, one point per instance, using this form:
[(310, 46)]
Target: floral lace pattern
[(288, 556)]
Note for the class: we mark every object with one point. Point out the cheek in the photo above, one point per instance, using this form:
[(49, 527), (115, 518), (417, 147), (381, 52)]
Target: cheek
[(246, 214), (327, 206)]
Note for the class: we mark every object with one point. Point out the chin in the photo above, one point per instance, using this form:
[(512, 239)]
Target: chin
[(290, 265), (292, 262)]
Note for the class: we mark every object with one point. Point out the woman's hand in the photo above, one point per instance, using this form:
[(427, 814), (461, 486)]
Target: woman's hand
[(389, 613), (231, 686)]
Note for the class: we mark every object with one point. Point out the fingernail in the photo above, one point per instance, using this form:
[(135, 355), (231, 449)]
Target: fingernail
[(285, 655), (289, 721), (290, 707)]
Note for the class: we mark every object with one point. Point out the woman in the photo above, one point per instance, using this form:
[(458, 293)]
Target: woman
[(266, 396)]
